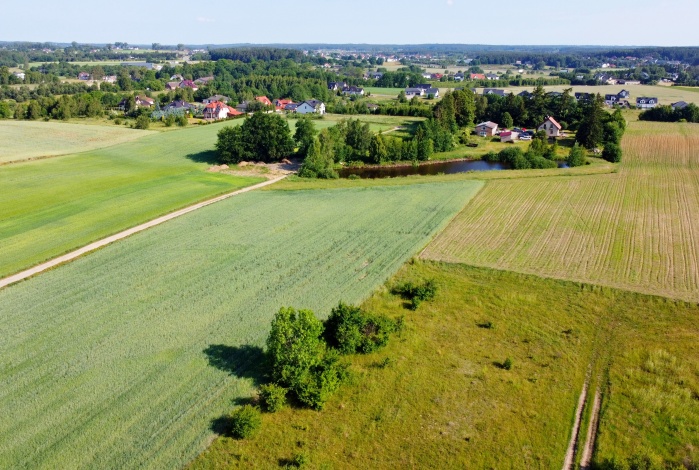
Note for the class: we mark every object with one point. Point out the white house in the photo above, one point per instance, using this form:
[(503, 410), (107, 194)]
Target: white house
[(551, 127), (644, 102), (433, 91), (311, 106), (218, 110), (19, 75), (410, 92)]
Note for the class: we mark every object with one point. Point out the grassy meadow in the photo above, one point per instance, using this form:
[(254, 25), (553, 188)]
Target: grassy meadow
[(436, 397), (23, 140), (123, 357), (51, 206), (634, 229)]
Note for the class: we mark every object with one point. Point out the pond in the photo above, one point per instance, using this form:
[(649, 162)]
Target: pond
[(457, 166)]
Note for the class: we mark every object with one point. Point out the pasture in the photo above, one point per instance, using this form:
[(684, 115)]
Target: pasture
[(437, 397), (635, 229), (123, 358), (49, 207), (23, 140)]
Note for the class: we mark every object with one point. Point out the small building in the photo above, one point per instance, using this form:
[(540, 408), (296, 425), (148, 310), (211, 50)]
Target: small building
[(436, 76), (291, 107), (83, 76), (476, 76), (188, 84), (551, 127), (410, 92), (353, 91), (180, 106), (509, 136), (459, 77), (623, 94), (645, 102), (486, 129), (144, 101), (583, 96), (109, 78), (176, 78), (311, 106), (280, 105), (264, 100), (375, 75), (204, 80), (334, 86), (372, 107), (172, 85), (679, 105), (19, 75), (211, 99), (611, 100), (492, 76)]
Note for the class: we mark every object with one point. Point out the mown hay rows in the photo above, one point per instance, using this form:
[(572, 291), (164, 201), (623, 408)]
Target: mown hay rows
[(637, 229), (103, 361)]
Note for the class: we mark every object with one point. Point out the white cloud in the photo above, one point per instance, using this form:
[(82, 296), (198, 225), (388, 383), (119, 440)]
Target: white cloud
[(203, 19), (450, 2)]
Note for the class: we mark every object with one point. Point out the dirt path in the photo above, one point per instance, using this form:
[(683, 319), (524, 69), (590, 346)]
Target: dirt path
[(121, 235), (589, 447), (572, 446)]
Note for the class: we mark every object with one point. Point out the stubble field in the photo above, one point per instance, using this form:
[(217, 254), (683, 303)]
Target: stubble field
[(636, 229)]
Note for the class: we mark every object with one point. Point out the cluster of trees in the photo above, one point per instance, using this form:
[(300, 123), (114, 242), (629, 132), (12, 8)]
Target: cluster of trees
[(600, 128), (539, 155), (689, 113), (251, 54), (261, 137)]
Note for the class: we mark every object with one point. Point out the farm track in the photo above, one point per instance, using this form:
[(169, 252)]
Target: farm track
[(126, 233), (591, 437), (575, 433)]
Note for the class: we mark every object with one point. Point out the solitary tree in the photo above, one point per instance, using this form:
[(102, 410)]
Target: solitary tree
[(304, 135), (576, 157), (507, 120)]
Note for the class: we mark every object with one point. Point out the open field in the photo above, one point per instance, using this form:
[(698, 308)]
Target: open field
[(123, 357), (377, 122), (443, 402), (51, 206), (22, 140), (636, 229)]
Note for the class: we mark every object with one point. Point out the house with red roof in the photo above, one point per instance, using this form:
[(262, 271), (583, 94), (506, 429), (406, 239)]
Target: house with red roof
[(281, 104), (477, 76), (218, 110), (188, 84), (551, 127), (264, 100)]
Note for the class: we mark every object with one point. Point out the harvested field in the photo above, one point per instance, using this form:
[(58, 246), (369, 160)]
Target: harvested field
[(23, 140), (636, 229), (123, 358)]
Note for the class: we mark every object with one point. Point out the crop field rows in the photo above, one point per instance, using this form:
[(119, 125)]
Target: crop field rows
[(636, 229), (127, 354)]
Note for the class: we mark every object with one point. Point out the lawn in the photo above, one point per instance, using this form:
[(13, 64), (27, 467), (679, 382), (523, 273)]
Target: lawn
[(123, 358), (437, 397), (23, 140), (51, 206), (377, 122), (635, 229)]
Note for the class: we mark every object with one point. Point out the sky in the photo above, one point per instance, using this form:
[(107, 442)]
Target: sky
[(566, 22)]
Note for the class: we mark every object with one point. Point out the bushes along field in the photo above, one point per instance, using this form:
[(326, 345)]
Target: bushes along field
[(123, 357)]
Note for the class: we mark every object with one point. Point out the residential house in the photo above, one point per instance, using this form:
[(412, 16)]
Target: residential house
[(486, 129), (432, 91), (372, 107), (583, 96), (623, 94), (211, 99), (579, 76), (493, 91), (611, 100), (176, 78), (436, 76), (551, 127), (109, 78), (311, 106), (218, 110), (353, 91), (172, 85), (334, 86), (427, 75), (526, 94), (291, 107), (679, 105), (83, 76), (554, 94), (188, 84), (628, 82), (264, 100), (645, 102), (144, 101), (375, 75), (492, 76), (204, 80), (476, 76), (19, 75), (280, 105), (459, 77), (509, 136), (410, 92), (180, 106)]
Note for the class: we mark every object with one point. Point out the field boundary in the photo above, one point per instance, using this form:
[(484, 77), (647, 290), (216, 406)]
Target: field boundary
[(27, 273)]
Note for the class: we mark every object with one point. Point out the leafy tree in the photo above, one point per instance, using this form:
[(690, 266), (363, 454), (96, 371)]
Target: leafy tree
[(5, 111), (591, 130), (358, 136), (245, 421), (464, 107), (318, 163), (612, 152), (230, 145), (304, 136), (124, 80), (262, 136), (507, 121), (377, 150), (351, 330), (142, 122), (576, 157)]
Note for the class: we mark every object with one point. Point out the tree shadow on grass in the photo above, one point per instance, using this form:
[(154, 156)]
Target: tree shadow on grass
[(240, 361), (207, 156)]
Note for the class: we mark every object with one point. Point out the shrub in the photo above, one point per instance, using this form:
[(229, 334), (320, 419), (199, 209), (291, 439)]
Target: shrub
[(181, 120), (318, 383), (117, 121), (612, 153), (576, 157), (351, 330), (245, 421), (142, 122), (507, 365), (417, 293), (273, 397)]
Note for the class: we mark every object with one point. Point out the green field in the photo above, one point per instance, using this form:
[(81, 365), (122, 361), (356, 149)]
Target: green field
[(635, 229), (123, 357), (48, 207), (22, 140), (444, 402)]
